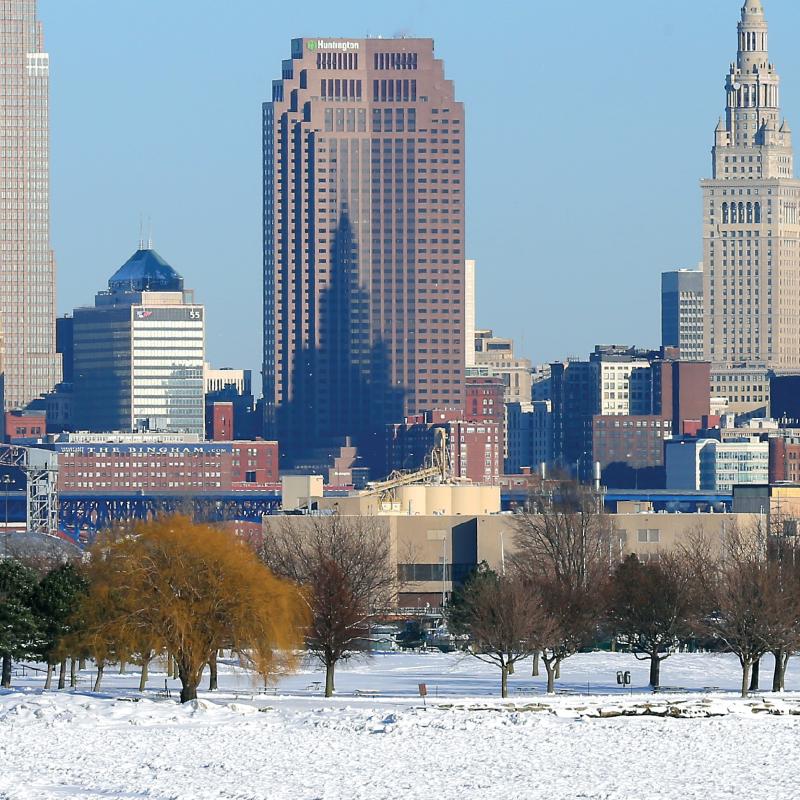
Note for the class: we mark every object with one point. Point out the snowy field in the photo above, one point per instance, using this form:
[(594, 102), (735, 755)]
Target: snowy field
[(591, 741)]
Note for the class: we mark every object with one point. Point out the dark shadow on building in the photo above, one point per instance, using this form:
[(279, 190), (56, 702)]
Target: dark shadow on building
[(621, 475), (341, 383)]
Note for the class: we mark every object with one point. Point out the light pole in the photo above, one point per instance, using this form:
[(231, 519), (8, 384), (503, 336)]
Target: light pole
[(7, 481)]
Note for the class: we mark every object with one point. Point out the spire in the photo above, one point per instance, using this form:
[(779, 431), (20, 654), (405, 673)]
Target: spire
[(753, 36), (751, 9)]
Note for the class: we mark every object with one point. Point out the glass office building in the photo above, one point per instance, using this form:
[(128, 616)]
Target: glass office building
[(139, 352)]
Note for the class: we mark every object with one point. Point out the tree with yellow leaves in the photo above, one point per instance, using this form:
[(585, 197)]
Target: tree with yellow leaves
[(193, 588)]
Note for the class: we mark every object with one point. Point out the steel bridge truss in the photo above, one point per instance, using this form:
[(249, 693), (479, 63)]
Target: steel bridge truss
[(82, 516), (40, 468)]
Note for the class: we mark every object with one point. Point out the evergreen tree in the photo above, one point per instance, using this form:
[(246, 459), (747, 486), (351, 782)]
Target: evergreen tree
[(19, 633), (55, 603)]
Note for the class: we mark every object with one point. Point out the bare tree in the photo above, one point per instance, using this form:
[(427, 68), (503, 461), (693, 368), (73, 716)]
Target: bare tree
[(746, 607), (650, 606), (502, 617), (782, 550), (344, 565), (563, 549)]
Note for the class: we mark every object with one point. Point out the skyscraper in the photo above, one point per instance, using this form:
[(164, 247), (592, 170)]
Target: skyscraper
[(27, 268), (751, 229), (363, 240), (139, 352)]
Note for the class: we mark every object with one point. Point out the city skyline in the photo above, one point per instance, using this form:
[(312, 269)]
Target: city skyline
[(164, 185)]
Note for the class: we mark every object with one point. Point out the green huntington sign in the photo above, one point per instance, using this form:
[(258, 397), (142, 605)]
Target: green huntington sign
[(327, 44)]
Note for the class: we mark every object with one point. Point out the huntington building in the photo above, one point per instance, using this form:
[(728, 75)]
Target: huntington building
[(363, 241), (751, 230)]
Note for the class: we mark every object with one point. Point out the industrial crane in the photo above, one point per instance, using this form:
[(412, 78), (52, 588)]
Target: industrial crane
[(438, 468)]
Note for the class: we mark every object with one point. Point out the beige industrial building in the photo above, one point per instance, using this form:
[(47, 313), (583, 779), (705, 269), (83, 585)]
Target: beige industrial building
[(439, 533)]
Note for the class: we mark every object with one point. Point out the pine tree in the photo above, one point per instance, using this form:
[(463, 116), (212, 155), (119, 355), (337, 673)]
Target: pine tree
[(55, 603), (19, 633)]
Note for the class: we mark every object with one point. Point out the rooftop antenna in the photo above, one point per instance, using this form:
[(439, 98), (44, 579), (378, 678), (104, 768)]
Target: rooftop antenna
[(149, 233), (141, 231)]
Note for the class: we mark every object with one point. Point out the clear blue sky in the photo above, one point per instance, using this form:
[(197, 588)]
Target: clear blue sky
[(589, 125)]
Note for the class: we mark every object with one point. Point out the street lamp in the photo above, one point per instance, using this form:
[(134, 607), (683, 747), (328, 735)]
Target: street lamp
[(7, 481)]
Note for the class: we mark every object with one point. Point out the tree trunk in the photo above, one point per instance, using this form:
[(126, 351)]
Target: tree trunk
[(212, 667), (176, 671), (551, 676), (510, 667), (558, 670), (48, 681), (655, 670), (6, 680), (535, 667), (122, 666), (82, 664), (62, 674), (504, 680), (73, 674), (745, 676), (779, 675), (143, 673), (754, 675), (100, 668), (329, 667), (190, 678)]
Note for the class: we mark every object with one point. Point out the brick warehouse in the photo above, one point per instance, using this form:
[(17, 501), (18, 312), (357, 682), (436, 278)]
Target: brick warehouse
[(167, 468)]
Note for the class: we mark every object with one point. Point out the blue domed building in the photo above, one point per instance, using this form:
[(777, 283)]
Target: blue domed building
[(139, 352)]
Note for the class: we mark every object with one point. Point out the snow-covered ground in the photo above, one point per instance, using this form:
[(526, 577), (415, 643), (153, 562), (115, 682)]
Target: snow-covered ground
[(593, 741)]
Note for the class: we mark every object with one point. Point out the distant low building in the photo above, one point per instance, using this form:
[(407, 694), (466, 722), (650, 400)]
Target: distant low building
[(167, 467), (712, 465), (495, 357), (22, 427)]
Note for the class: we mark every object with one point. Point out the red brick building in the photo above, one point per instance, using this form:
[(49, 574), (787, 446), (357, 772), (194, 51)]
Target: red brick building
[(476, 448), (25, 425), (484, 400), (784, 459), (190, 468), (219, 421)]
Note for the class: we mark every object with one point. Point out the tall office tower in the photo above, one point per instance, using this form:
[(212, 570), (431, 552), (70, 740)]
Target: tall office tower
[(682, 315), (363, 241), (139, 352), (27, 267), (751, 230)]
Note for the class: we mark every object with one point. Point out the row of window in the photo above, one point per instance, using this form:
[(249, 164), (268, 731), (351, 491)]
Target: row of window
[(741, 212)]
